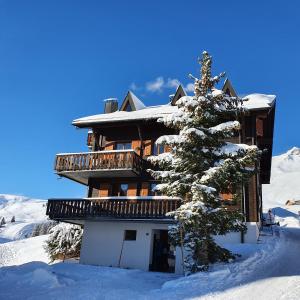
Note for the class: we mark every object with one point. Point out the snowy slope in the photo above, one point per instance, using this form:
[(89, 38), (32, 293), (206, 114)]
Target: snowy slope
[(23, 251), (285, 180), (27, 212), (15, 248)]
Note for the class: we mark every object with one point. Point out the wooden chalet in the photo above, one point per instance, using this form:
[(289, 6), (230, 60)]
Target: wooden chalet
[(124, 219)]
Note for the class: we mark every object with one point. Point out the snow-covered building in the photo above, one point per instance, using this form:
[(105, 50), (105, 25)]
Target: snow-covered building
[(124, 218)]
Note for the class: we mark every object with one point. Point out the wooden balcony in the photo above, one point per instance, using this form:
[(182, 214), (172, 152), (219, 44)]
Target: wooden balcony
[(82, 166), (109, 208)]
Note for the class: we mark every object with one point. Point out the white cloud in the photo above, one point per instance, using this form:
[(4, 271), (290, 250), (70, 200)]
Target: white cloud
[(155, 86), (159, 84), (172, 83), (133, 86), (189, 87)]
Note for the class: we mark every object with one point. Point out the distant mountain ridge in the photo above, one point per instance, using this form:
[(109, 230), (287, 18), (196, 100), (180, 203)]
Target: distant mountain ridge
[(27, 212)]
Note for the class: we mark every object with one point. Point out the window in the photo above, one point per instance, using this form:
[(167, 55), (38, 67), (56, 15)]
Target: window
[(158, 149), (123, 146), (130, 235), (123, 189)]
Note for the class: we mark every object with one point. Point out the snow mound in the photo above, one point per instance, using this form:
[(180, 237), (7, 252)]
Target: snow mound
[(43, 277)]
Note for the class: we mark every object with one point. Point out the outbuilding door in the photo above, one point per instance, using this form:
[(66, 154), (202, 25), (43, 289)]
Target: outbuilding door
[(163, 259)]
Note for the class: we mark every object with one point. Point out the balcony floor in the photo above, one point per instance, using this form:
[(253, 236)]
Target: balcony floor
[(82, 176)]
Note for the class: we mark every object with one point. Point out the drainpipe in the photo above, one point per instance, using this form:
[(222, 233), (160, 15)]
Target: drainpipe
[(243, 211)]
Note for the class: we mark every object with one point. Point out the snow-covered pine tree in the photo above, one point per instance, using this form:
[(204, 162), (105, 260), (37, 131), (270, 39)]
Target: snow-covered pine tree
[(202, 165), (64, 241)]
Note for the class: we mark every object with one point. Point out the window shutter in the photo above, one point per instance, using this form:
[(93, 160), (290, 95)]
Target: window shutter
[(109, 146), (104, 190), (144, 189), (136, 146), (259, 127), (147, 148), (132, 189)]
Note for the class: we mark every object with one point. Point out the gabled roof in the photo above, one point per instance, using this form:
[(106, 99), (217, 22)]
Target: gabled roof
[(180, 92), (228, 88), (132, 100), (148, 113), (252, 102)]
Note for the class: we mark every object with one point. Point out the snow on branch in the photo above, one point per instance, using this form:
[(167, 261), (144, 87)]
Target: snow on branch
[(195, 131), (170, 139), (165, 157), (231, 149), (227, 126)]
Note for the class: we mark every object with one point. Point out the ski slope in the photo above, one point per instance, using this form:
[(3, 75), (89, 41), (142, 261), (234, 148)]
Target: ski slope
[(27, 212), (285, 180)]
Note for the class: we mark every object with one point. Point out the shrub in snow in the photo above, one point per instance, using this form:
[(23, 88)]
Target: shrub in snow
[(64, 241), (201, 166), (43, 228), (13, 219)]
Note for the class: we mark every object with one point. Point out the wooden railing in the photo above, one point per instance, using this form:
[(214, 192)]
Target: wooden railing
[(141, 208), (127, 159)]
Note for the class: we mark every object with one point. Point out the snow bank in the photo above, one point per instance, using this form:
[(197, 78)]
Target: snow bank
[(73, 281)]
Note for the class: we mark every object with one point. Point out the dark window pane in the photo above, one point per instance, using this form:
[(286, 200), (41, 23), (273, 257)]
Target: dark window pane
[(130, 235), (158, 149), (123, 189), (123, 146)]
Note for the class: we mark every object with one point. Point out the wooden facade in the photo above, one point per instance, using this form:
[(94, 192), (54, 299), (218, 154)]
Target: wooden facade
[(116, 166)]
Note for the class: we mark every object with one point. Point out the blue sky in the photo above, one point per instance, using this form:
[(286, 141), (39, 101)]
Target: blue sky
[(59, 59)]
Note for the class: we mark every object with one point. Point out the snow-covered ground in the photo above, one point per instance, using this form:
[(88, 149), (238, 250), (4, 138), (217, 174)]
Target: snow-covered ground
[(15, 248), (267, 270)]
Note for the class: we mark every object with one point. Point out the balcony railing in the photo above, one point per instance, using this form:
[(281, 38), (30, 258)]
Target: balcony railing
[(155, 207), (101, 160)]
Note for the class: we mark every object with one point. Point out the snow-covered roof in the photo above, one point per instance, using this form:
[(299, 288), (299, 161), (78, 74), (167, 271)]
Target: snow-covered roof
[(148, 113), (259, 101), (254, 102), (138, 104)]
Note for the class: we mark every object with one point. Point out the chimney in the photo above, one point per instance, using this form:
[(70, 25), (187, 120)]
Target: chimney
[(110, 105)]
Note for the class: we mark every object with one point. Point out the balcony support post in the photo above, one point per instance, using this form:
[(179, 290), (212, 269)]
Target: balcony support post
[(141, 139)]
